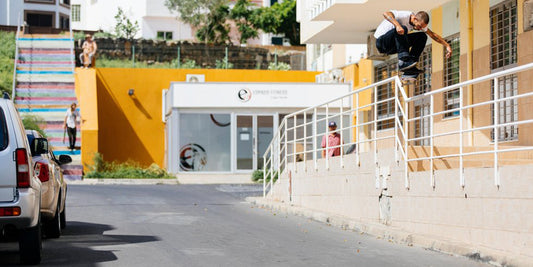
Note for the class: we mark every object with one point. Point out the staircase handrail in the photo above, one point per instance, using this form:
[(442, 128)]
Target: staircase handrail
[(72, 53), (16, 58)]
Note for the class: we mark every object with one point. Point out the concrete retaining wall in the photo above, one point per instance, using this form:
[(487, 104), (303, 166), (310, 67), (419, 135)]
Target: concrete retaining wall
[(482, 218)]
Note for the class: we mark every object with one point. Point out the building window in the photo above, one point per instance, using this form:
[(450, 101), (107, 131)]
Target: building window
[(164, 35), (507, 110), (205, 142), (422, 107), (76, 12), (503, 43), (40, 19), (423, 84), (503, 35), (386, 91), (66, 2), (64, 22), (451, 76)]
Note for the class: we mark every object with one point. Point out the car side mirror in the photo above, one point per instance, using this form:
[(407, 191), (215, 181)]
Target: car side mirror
[(64, 159), (39, 146)]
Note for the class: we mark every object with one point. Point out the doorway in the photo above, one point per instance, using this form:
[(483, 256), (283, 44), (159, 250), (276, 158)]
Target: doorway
[(253, 135)]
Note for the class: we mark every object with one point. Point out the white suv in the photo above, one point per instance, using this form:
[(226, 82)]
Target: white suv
[(20, 188)]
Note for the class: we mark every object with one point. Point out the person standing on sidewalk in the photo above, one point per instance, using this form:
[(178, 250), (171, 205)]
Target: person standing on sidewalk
[(332, 139), (405, 33), (70, 125)]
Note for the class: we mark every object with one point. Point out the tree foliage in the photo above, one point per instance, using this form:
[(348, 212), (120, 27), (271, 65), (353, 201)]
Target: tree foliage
[(208, 16), (125, 28), (280, 18), (244, 16), (7, 59)]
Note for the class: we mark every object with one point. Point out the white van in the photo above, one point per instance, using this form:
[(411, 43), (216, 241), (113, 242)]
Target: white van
[(20, 188)]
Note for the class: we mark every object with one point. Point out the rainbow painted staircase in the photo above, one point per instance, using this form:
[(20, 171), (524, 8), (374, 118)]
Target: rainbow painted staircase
[(44, 86)]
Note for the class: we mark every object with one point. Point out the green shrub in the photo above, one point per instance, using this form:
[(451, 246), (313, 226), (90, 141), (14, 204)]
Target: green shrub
[(257, 176), (279, 66), (221, 64), (189, 64), (129, 169), (7, 57), (34, 122)]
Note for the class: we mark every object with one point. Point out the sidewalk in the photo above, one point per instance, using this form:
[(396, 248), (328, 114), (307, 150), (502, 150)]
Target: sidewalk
[(385, 232)]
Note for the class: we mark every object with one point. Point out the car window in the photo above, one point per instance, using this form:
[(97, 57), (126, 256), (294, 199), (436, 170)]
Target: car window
[(4, 137), (30, 138)]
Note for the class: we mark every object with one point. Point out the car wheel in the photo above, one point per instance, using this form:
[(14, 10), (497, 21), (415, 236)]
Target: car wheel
[(53, 227), (63, 217), (30, 244)]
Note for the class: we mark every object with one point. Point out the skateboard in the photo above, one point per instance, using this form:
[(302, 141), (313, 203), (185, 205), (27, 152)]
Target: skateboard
[(409, 76)]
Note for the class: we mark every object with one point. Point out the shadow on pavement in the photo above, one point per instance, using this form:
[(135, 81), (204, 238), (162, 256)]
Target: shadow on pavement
[(78, 245)]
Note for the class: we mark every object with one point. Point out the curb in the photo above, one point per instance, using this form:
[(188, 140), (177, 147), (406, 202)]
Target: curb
[(394, 234), (119, 181)]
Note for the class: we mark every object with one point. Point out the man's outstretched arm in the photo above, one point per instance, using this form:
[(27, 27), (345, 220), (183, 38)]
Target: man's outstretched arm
[(390, 18), (439, 39)]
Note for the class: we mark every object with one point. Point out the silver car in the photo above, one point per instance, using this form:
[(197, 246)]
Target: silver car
[(54, 187), (20, 189)]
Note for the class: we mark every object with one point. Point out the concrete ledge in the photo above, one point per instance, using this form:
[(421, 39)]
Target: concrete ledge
[(90, 181), (394, 234), (206, 178)]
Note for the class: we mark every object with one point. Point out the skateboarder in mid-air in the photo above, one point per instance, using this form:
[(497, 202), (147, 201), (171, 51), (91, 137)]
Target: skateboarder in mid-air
[(404, 33)]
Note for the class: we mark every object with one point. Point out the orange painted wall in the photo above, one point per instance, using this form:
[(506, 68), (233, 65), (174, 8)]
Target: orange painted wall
[(130, 128)]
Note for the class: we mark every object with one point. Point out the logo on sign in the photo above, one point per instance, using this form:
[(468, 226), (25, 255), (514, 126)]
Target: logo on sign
[(244, 94)]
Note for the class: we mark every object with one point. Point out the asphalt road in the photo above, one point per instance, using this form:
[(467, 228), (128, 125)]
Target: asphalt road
[(206, 225)]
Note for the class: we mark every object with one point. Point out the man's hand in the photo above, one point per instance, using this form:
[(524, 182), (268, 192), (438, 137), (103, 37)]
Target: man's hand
[(448, 51), (400, 30)]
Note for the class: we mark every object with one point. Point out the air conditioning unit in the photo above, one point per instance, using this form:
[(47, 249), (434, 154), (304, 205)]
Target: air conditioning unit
[(372, 50), (333, 76), (195, 78)]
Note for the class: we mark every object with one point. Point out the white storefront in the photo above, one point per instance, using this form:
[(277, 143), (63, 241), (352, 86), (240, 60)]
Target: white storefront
[(226, 127)]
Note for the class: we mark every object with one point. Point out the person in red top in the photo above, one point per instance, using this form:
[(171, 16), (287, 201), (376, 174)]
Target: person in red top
[(333, 139)]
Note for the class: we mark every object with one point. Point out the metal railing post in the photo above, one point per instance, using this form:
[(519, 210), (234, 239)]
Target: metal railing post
[(327, 136), (305, 142), (431, 129), (315, 132), (294, 143), (341, 117), (406, 140), (396, 121), (265, 172), (496, 130), (357, 129), (286, 157), (461, 160)]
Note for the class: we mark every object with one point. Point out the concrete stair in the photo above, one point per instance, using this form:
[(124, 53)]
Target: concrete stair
[(45, 88)]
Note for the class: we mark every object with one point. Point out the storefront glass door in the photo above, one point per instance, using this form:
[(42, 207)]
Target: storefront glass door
[(253, 134), (245, 142)]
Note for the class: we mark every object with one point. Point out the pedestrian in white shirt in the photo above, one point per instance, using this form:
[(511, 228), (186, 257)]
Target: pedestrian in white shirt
[(70, 124)]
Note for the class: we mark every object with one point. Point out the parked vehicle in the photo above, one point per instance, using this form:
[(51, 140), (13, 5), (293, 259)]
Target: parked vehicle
[(20, 188), (54, 187)]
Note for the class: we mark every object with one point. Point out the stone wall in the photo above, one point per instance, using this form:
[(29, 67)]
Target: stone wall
[(204, 55)]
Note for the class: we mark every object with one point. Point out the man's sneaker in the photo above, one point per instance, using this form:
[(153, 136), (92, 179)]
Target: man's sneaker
[(409, 77), (413, 70), (403, 65)]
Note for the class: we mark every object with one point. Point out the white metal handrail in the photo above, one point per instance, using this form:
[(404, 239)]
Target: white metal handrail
[(401, 118), (16, 58)]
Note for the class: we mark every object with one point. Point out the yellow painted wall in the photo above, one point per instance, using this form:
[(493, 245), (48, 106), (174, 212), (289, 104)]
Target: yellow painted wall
[(130, 127), (85, 81), (437, 51)]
